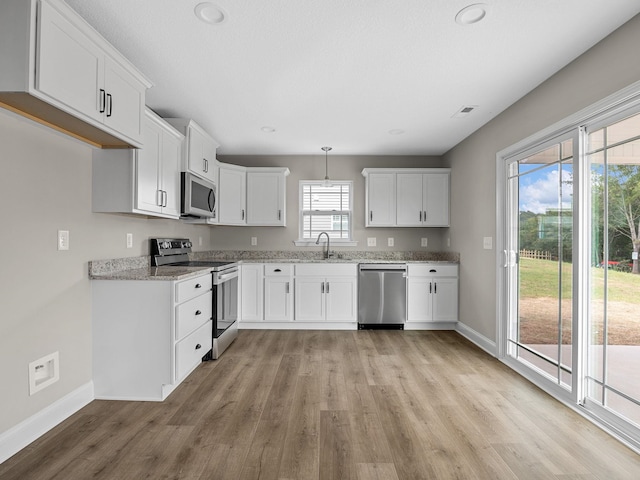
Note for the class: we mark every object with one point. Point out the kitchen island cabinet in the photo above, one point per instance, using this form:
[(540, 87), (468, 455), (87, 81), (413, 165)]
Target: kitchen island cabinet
[(148, 335)]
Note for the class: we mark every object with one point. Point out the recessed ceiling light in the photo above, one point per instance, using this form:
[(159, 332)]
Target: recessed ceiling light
[(471, 14), (210, 13), (396, 131), (267, 129)]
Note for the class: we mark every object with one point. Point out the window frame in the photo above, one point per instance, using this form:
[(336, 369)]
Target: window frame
[(311, 242)]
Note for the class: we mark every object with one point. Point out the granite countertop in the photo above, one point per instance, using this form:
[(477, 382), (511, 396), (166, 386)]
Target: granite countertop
[(138, 268)]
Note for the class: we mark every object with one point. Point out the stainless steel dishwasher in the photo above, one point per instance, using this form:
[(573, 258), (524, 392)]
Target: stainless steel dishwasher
[(382, 295)]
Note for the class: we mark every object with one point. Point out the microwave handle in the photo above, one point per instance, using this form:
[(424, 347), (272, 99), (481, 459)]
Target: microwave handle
[(211, 201)]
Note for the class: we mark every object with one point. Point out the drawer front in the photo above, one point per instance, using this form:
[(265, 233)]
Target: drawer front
[(278, 270), (193, 313), (188, 289), (327, 270), (190, 350), (432, 270)]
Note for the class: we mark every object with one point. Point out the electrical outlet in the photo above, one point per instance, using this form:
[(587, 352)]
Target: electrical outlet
[(371, 241), (129, 240), (423, 242), (254, 241), (199, 241), (63, 239), (487, 243), (390, 242), (448, 241)]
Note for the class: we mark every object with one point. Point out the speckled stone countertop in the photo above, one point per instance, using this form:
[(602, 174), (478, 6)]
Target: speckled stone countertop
[(138, 268)]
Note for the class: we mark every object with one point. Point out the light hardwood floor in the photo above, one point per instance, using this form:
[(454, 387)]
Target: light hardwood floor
[(297, 405)]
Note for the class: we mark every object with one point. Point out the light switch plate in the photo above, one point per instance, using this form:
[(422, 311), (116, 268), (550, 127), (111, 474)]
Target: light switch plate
[(254, 241), (371, 241), (129, 240), (63, 239), (423, 242), (487, 243), (390, 242)]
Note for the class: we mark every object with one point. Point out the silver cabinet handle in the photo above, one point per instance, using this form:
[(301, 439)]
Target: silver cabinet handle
[(435, 287), (371, 216), (430, 291), (159, 198), (243, 214), (109, 104), (279, 214), (327, 287), (424, 216), (421, 215), (287, 287), (322, 287), (103, 100)]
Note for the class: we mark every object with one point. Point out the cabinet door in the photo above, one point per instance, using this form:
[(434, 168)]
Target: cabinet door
[(148, 195), (340, 293), (170, 178), (265, 198), (445, 299), (409, 198), (196, 161), (278, 299), (232, 195), (436, 200), (251, 292), (70, 67), (124, 100), (309, 299), (381, 198), (419, 299)]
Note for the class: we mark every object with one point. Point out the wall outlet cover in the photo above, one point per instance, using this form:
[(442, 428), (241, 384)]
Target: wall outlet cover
[(487, 243), (390, 242), (371, 241), (63, 239), (423, 242), (254, 241), (129, 240)]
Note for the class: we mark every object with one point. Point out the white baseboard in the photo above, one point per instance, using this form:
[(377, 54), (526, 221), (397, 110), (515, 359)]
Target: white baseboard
[(480, 340), (18, 437)]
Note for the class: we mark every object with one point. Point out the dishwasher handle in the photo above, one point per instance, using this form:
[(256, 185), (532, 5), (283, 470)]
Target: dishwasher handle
[(383, 267)]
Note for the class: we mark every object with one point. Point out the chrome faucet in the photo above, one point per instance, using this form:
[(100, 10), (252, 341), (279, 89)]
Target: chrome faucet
[(328, 254)]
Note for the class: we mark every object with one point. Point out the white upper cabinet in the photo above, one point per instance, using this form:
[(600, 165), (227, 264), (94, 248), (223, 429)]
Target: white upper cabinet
[(407, 197), (267, 196), (199, 149), (144, 181), (64, 74), (381, 200), (232, 194)]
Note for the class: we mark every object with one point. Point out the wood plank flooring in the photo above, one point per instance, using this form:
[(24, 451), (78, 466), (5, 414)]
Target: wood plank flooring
[(361, 405)]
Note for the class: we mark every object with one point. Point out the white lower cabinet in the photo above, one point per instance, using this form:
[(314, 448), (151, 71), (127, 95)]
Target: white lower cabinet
[(278, 293), (251, 292), (432, 293), (325, 293), (148, 335)]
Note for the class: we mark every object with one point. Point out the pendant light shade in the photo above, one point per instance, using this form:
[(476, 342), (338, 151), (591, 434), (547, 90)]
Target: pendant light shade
[(327, 182)]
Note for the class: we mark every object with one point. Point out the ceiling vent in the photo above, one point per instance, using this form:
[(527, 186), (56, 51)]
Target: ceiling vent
[(464, 111)]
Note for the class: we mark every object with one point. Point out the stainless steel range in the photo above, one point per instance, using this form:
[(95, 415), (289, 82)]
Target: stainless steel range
[(175, 252)]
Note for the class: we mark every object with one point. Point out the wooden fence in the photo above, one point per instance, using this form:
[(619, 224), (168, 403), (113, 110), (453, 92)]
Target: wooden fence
[(538, 255)]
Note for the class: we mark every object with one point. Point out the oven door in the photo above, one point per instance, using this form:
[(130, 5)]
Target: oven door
[(225, 300)]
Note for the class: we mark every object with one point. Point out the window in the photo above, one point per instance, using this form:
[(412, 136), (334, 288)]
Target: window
[(326, 208)]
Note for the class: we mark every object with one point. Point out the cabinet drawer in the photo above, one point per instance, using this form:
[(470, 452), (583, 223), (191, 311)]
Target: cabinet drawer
[(193, 313), (325, 270), (189, 351), (432, 270), (278, 270), (193, 287)]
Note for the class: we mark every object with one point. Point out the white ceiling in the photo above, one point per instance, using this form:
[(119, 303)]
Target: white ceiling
[(343, 73)]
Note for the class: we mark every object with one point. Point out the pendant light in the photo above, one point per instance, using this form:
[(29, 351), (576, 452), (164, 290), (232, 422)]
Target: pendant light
[(327, 182)]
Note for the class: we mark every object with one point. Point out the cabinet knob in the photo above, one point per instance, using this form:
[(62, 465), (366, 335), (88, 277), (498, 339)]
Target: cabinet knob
[(433, 270), (277, 270), (198, 285), (198, 347), (198, 312)]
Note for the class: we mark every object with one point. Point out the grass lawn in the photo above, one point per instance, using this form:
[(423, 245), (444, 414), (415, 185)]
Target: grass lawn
[(539, 304)]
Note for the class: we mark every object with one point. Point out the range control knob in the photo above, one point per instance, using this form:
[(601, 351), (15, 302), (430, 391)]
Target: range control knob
[(186, 244), (165, 244)]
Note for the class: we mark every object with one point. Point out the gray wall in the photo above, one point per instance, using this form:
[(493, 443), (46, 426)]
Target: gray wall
[(312, 167), (45, 294), (606, 68)]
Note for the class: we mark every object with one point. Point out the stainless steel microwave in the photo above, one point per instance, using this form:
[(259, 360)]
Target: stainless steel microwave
[(198, 197)]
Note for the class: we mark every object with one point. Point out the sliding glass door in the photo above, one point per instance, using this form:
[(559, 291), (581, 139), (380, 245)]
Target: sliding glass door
[(613, 374), (541, 192), (570, 314)]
